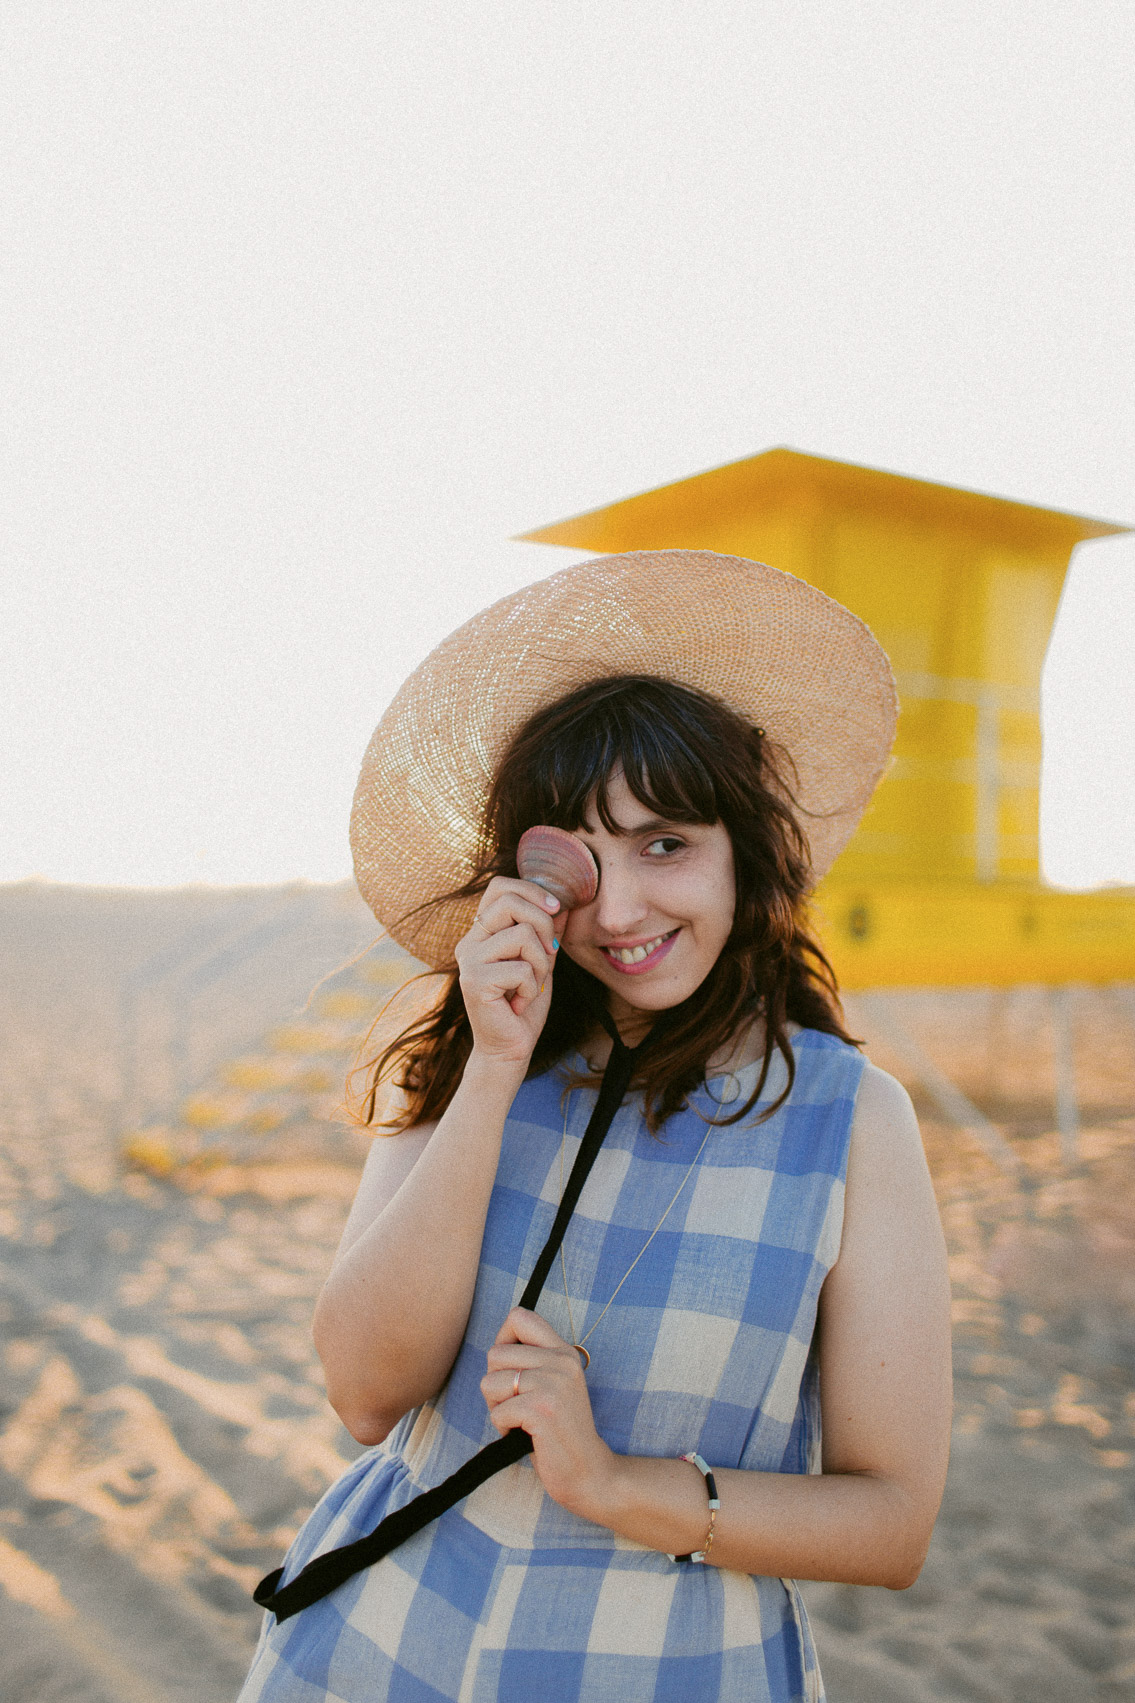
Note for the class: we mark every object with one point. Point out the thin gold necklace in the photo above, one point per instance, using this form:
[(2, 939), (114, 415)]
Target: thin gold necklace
[(578, 1344)]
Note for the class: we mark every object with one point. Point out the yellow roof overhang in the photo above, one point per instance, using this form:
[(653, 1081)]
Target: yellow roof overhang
[(674, 516)]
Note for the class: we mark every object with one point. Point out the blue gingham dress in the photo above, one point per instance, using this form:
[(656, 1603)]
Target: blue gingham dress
[(508, 1598)]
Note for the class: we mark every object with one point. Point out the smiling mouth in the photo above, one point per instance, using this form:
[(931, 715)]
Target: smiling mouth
[(627, 956)]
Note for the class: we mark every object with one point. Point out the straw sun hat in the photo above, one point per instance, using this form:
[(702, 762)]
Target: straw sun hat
[(769, 645)]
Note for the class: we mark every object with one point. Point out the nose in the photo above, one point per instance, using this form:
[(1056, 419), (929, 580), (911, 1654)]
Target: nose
[(621, 904)]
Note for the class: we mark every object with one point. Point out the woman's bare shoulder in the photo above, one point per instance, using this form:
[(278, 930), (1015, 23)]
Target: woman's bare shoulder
[(388, 1163), (884, 1116), (886, 1165)]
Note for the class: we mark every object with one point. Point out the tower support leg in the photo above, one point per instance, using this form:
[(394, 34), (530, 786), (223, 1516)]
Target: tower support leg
[(1064, 1070)]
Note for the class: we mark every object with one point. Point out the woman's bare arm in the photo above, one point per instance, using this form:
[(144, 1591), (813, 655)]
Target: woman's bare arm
[(885, 1394), (885, 1373), (393, 1311)]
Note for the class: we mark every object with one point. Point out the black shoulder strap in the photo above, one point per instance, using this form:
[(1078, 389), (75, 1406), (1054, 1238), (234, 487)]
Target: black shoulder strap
[(328, 1571)]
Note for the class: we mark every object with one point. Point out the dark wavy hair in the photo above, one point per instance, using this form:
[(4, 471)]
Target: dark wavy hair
[(689, 758)]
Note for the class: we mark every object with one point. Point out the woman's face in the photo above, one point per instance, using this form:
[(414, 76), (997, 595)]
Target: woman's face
[(664, 908)]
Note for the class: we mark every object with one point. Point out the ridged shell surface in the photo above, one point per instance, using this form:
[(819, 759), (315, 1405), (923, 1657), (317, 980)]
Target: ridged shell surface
[(558, 862)]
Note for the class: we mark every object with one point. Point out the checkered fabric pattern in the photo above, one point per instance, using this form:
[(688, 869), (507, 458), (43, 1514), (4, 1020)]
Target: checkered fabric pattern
[(508, 1598)]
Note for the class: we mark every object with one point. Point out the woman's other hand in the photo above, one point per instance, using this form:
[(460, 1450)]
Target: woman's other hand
[(553, 1406), (506, 962)]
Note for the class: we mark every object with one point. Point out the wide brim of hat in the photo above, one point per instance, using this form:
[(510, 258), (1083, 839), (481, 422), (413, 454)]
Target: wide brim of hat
[(772, 647)]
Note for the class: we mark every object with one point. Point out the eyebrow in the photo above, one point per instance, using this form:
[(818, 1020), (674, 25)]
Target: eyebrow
[(652, 826)]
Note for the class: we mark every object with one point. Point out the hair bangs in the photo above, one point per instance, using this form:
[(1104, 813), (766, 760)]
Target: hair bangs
[(660, 754)]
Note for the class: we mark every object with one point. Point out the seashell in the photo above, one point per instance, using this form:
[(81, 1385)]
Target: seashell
[(558, 862)]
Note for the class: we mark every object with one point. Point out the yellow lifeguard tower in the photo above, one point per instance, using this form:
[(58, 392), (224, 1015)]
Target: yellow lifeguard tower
[(941, 883)]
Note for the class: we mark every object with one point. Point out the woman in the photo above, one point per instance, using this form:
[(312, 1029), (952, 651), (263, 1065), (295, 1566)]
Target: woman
[(647, 1214)]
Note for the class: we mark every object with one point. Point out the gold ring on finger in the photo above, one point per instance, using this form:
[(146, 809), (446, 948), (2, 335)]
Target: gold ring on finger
[(516, 1384)]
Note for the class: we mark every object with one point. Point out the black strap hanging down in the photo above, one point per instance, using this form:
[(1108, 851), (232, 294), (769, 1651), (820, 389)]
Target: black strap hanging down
[(327, 1572)]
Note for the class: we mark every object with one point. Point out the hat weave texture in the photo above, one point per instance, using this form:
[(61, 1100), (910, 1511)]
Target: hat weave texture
[(772, 647)]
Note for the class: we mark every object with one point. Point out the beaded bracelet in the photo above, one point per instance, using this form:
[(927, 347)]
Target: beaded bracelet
[(702, 1554)]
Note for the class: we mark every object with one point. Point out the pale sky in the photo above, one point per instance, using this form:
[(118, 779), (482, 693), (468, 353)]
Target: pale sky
[(307, 309)]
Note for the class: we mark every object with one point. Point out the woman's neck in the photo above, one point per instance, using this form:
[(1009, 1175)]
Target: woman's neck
[(634, 1025)]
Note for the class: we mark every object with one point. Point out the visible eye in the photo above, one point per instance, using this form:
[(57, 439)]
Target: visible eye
[(664, 847)]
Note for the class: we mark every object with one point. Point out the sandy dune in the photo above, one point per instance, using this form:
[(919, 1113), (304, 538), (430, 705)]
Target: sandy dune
[(162, 1422)]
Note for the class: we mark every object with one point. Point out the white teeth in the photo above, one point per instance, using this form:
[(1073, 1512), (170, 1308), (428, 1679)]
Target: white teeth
[(635, 954)]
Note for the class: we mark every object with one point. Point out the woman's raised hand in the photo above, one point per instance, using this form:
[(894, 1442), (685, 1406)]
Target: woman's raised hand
[(506, 962)]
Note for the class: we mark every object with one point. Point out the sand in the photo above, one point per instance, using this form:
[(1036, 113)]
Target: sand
[(163, 1429)]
